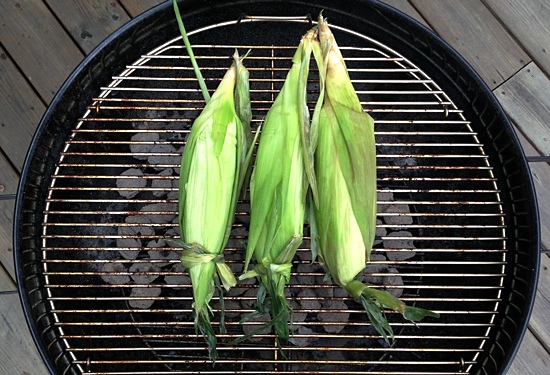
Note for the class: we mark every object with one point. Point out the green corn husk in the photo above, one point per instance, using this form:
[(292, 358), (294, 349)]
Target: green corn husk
[(344, 222), (213, 170), (278, 190), (214, 164)]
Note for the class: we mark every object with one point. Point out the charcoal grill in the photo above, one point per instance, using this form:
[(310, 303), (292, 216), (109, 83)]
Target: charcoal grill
[(458, 232)]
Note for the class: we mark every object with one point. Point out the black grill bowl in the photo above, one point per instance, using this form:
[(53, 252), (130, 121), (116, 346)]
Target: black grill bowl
[(518, 262)]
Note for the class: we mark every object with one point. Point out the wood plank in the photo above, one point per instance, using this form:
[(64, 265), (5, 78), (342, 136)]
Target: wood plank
[(6, 236), (525, 97), (19, 354), (540, 319), (8, 179), (477, 35), (38, 44), (528, 21), (136, 7), (21, 111), (89, 21), (6, 282), (531, 358), (541, 177), (530, 354), (406, 7)]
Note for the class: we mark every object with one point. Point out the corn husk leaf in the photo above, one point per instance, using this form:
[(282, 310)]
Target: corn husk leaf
[(213, 169), (189, 49), (278, 190), (343, 224)]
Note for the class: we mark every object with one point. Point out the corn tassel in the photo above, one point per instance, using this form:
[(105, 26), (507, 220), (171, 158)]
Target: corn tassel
[(278, 190), (344, 221)]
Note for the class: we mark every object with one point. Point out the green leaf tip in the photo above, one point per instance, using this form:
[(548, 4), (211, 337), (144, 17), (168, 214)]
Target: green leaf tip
[(203, 325), (189, 49), (374, 301)]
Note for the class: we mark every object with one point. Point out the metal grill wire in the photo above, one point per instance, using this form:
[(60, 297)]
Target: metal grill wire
[(122, 303)]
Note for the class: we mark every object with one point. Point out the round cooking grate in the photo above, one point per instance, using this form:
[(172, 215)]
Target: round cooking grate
[(114, 299)]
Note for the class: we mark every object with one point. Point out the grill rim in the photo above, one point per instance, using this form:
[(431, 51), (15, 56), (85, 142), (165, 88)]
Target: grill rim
[(449, 66)]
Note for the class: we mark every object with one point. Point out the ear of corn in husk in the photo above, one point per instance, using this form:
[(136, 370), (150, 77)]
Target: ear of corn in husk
[(278, 190), (344, 222), (213, 168), (214, 163)]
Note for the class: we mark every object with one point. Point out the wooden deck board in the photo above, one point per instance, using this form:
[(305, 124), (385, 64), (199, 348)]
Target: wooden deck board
[(524, 98), (18, 354), (9, 179), (406, 7), (38, 44), (474, 31), (540, 319), (21, 110), (531, 358), (527, 101), (529, 22), (89, 22), (471, 29), (135, 8), (6, 282), (6, 233), (541, 177)]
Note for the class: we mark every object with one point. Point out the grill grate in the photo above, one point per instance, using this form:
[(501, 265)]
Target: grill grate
[(122, 303)]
